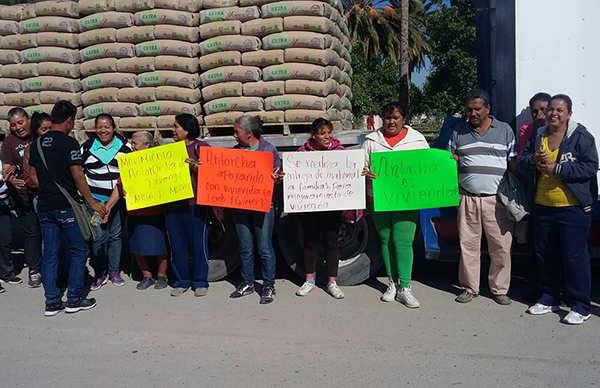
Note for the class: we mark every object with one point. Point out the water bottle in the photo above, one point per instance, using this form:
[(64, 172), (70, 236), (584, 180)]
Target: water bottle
[(96, 219)]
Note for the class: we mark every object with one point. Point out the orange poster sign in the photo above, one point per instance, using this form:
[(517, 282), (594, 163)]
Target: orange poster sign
[(234, 178)]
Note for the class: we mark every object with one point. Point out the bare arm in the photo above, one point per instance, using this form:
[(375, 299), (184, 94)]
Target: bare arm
[(84, 189)]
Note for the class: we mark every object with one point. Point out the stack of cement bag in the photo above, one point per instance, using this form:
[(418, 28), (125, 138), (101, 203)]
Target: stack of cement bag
[(290, 65), (39, 55)]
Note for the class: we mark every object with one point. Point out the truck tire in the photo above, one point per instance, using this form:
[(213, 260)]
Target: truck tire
[(223, 248), (360, 251)]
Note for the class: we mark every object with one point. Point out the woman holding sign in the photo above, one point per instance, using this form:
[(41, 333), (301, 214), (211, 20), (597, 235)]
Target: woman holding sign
[(253, 225), (396, 229)]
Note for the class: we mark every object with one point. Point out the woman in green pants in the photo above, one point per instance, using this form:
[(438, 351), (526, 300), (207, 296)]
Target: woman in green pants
[(396, 229)]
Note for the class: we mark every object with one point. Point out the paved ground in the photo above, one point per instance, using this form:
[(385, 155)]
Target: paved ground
[(149, 339)]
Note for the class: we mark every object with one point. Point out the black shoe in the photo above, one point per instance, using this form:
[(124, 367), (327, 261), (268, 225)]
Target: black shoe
[(268, 295), (242, 290), (53, 309), (14, 280), (161, 283), (75, 305), (35, 279), (1, 289), (145, 283)]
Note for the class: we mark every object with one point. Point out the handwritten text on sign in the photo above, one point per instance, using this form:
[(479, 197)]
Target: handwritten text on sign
[(156, 176), (236, 179), (411, 180), (324, 180)]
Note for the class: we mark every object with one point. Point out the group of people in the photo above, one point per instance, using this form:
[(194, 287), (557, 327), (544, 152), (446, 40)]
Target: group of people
[(51, 175)]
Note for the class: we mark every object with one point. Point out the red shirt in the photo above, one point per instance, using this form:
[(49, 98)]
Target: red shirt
[(393, 140)]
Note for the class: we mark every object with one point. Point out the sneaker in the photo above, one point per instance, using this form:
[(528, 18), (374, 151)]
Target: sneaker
[(98, 282), (465, 297), (161, 283), (305, 288), (35, 279), (145, 283), (268, 295), (2, 289), (390, 294), (75, 305), (242, 290), (178, 291), (334, 291), (200, 291), (14, 280), (116, 279), (574, 318), (503, 300), (406, 297), (541, 309), (53, 309)]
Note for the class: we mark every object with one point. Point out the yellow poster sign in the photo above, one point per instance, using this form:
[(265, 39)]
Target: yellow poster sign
[(156, 176)]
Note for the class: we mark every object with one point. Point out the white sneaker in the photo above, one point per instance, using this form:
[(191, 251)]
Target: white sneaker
[(541, 309), (305, 289), (574, 318), (406, 297), (334, 290), (390, 294)]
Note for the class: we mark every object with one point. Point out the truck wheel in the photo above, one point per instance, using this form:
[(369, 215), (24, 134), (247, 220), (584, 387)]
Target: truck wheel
[(223, 248), (360, 253)]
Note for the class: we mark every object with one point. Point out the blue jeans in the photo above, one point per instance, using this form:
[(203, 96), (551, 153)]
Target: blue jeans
[(249, 226), (107, 247), (57, 225), (188, 235)]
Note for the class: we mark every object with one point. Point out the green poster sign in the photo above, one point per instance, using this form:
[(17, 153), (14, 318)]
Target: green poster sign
[(411, 180)]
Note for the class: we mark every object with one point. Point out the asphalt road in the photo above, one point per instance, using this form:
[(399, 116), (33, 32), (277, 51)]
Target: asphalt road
[(149, 339)]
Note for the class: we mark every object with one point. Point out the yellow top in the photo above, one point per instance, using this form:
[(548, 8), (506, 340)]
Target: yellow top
[(551, 191)]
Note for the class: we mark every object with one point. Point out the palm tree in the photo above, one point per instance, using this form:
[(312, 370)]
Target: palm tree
[(364, 23)]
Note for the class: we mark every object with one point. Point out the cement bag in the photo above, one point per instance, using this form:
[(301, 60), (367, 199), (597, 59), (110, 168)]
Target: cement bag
[(187, 34), (167, 47), (133, 5), (316, 57), (231, 13), (262, 27), (230, 43), (90, 125), (334, 114), (291, 8), (336, 45), (8, 27), (58, 84), (179, 5), (346, 91), (106, 20), (231, 73), (167, 121), (347, 67), (222, 119), (314, 24), (4, 125), (87, 7), (108, 50), (135, 65), (4, 114), (346, 104), (57, 39), (18, 42), (294, 71), (224, 89), (101, 35), (50, 54), (135, 34), (51, 97), (137, 123), (295, 101), (161, 108), (119, 109), (165, 62), (137, 95), (262, 58), (284, 40), (169, 78), (304, 115), (225, 58), (335, 15), (347, 115), (109, 80), (334, 101), (272, 117), (247, 3), (100, 95), (10, 57), (230, 27), (49, 24), (345, 54), (69, 9), (191, 96), (315, 88), (9, 85), (219, 3), (347, 43), (18, 12), (44, 108), (264, 89), (333, 72), (59, 69), (166, 16), (97, 66), (22, 99), (20, 71)]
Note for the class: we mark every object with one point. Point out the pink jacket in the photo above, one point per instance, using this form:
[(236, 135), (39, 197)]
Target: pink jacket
[(335, 145)]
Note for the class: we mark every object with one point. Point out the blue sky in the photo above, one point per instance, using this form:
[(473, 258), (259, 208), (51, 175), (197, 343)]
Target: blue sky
[(418, 77)]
